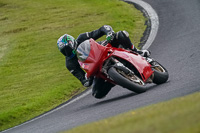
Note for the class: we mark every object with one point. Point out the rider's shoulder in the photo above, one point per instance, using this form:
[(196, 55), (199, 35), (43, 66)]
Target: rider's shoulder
[(107, 27)]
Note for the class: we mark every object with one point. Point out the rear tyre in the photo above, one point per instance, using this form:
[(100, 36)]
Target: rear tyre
[(129, 81), (160, 73)]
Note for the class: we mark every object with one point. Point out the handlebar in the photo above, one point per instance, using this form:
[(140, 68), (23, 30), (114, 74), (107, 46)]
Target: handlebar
[(104, 43)]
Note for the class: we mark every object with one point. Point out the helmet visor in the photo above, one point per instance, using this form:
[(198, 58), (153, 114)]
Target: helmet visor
[(68, 41)]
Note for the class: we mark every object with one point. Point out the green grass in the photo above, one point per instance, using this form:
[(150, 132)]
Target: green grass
[(180, 115), (33, 77)]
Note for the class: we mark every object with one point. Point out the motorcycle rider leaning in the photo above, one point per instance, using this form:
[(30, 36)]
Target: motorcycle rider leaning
[(68, 45)]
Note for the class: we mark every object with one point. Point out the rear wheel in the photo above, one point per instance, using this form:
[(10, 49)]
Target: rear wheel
[(160, 73), (129, 81)]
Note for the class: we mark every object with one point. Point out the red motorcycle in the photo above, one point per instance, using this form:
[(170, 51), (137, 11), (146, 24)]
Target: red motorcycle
[(119, 66)]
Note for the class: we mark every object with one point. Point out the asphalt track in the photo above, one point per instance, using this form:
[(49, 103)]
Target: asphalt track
[(176, 46)]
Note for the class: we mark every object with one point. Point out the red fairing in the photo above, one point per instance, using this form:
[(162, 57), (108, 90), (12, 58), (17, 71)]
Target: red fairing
[(92, 63), (98, 54), (139, 62)]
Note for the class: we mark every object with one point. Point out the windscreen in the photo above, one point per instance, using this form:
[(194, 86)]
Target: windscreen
[(83, 50)]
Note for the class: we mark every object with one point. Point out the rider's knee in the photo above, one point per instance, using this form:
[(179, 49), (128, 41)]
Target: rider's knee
[(122, 35)]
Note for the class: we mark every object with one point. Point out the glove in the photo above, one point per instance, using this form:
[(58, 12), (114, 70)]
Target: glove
[(145, 53), (110, 36), (87, 82)]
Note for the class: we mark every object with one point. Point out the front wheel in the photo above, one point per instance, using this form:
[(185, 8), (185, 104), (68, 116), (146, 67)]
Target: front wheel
[(160, 73), (129, 81)]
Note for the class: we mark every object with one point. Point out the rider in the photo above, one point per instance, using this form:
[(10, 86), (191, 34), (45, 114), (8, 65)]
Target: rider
[(68, 45)]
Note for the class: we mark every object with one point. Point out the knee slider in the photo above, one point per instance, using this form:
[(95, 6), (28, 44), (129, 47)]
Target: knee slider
[(125, 33)]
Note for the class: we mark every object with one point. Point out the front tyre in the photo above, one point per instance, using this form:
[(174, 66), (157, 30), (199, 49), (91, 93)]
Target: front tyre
[(129, 81), (160, 73)]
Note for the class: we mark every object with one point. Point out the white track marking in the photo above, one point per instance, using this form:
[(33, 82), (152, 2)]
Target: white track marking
[(154, 28), (54, 110), (153, 18)]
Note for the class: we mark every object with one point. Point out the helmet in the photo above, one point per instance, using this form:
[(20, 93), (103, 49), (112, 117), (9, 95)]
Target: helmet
[(67, 45)]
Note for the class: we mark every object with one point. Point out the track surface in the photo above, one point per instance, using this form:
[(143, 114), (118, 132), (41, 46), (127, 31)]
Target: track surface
[(176, 46)]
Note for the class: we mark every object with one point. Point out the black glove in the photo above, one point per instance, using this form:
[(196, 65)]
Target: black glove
[(87, 82), (110, 36)]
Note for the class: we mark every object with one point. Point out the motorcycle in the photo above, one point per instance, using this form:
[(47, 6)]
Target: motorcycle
[(119, 66)]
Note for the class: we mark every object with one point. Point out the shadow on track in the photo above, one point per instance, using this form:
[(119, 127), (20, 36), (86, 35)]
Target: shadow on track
[(115, 99)]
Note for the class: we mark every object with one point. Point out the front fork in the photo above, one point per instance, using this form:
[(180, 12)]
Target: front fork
[(150, 60)]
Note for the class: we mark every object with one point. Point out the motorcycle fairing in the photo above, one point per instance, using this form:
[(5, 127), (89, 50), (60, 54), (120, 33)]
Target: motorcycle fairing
[(98, 54), (91, 64), (143, 67)]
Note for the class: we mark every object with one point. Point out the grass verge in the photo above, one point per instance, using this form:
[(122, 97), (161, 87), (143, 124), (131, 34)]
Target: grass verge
[(33, 77), (180, 115)]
